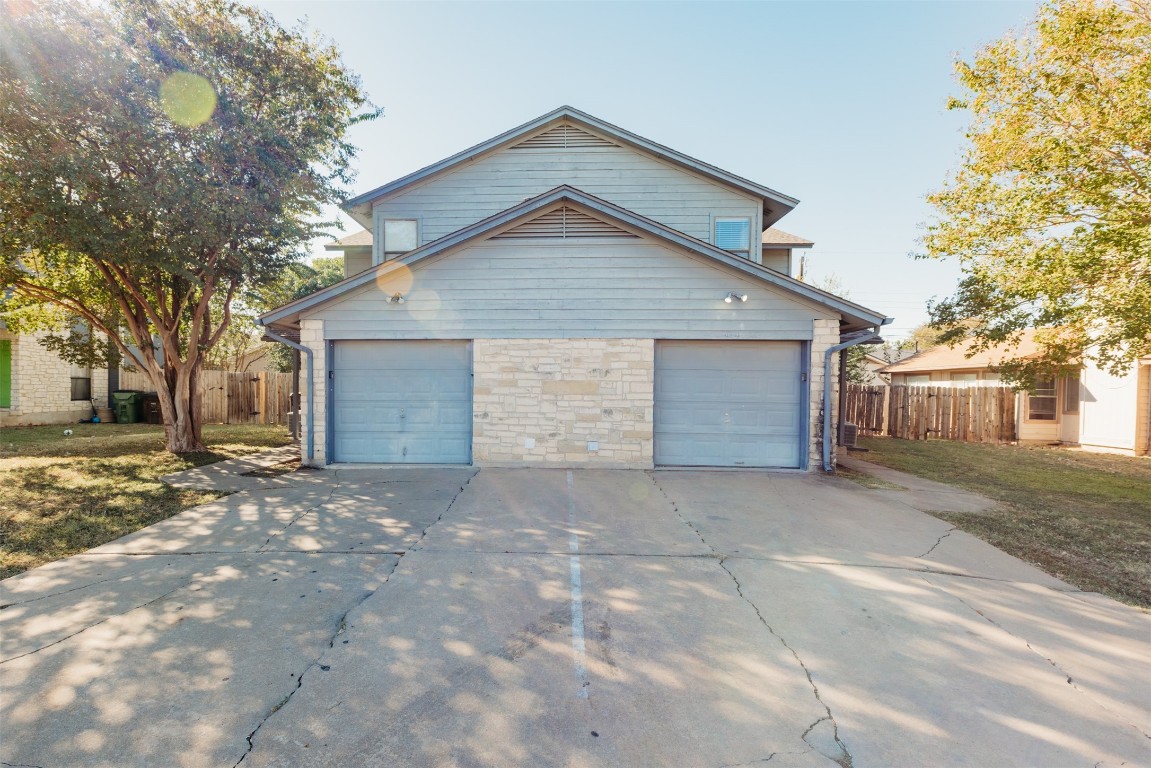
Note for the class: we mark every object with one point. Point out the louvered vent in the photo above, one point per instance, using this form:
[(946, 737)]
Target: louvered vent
[(563, 223), (563, 136)]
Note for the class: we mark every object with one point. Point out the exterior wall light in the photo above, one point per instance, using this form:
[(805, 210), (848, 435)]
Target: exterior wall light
[(396, 298), (733, 296)]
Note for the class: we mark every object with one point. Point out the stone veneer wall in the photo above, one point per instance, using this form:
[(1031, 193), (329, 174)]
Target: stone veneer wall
[(312, 336), (540, 401), (825, 334), (42, 386)]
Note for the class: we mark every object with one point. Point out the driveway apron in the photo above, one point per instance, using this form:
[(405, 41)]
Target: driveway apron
[(524, 617)]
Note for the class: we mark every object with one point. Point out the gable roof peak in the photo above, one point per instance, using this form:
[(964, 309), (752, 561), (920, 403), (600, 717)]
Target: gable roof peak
[(775, 204)]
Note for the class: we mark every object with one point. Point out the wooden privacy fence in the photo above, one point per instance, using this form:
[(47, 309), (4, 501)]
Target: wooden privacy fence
[(866, 408), (234, 398), (965, 414)]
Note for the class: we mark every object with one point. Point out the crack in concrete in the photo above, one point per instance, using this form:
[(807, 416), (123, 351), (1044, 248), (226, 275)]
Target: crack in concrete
[(938, 541), (844, 757), (341, 627), (101, 621), (1054, 664), (306, 512), (20, 765)]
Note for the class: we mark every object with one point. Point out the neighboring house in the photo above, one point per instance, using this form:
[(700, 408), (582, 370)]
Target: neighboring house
[(569, 293), (874, 362), (37, 387), (357, 251), (1095, 410)]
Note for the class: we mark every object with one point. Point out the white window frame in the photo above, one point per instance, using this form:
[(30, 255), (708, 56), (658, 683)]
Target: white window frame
[(386, 253), (744, 252), (962, 380), (1045, 392), (917, 379)]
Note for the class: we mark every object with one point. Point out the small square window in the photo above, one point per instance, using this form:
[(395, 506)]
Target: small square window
[(400, 236), (733, 235)]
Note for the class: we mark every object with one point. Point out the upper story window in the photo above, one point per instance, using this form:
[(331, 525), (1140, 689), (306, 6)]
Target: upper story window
[(734, 234), (400, 236)]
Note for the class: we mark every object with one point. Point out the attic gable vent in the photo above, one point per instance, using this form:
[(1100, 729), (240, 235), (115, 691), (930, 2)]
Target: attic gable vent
[(563, 223), (563, 136)]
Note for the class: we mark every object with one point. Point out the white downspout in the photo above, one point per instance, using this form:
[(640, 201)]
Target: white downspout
[(310, 439)]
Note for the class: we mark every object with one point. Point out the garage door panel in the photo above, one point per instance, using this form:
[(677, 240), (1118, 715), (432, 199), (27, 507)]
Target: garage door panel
[(728, 403), (402, 402)]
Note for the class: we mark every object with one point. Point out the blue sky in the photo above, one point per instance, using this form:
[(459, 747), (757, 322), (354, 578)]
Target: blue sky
[(841, 104)]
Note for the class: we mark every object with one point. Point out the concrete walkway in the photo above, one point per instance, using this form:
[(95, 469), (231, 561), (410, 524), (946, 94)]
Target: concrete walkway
[(230, 475), (918, 492), (444, 617)]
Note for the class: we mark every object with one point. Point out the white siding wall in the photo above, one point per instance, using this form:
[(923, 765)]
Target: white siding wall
[(495, 182), (1108, 409), (541, 289), (778, 259)]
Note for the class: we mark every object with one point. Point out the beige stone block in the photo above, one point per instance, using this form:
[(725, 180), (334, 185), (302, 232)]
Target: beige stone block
[(571, 387)]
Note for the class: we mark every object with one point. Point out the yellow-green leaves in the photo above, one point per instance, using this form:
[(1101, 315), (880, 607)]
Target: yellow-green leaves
[(1049, 215)]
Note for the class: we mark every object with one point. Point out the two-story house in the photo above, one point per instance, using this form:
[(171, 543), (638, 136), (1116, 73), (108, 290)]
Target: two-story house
[(570, 293)]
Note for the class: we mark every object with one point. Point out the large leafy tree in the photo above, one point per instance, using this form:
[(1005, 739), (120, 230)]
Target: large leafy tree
[(158, 158), (1049, 214)]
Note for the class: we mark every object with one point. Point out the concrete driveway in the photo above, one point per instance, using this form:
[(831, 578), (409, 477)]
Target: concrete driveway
[(448, 617)]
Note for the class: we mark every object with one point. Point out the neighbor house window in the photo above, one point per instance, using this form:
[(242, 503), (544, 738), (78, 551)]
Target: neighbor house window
[(1071, 394), (400, 236), (1041, 400), (918, 379), (81, 383), (964, 379), (733, 235)]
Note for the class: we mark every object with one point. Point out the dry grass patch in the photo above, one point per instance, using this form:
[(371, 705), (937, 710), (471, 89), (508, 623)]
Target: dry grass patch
[(1082, 517), (67, 494)]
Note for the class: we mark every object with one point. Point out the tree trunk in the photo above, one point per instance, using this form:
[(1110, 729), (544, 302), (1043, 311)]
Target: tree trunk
[(178, 388)]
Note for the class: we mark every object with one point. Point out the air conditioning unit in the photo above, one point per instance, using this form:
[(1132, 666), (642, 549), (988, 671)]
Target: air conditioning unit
[(850, 435)]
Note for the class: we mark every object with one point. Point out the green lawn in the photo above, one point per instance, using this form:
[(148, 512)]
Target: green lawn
[(1083, 517), (66, 494)]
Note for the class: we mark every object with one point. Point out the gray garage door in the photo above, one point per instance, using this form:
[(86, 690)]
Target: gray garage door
[(728, 404), (402, 402)]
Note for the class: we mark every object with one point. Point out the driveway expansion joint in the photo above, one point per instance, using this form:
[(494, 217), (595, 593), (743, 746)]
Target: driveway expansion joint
[(98, 623)]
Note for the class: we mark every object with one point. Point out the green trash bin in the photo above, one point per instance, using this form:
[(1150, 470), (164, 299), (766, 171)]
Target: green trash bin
[(127, 406)]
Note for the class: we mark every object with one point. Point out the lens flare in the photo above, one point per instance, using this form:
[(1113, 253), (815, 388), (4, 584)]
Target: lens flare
[(188, 99), (396, 280)]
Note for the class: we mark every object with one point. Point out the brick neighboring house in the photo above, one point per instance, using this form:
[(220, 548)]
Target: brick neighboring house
[(37, 387), (569, 293), (1092, 409)]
